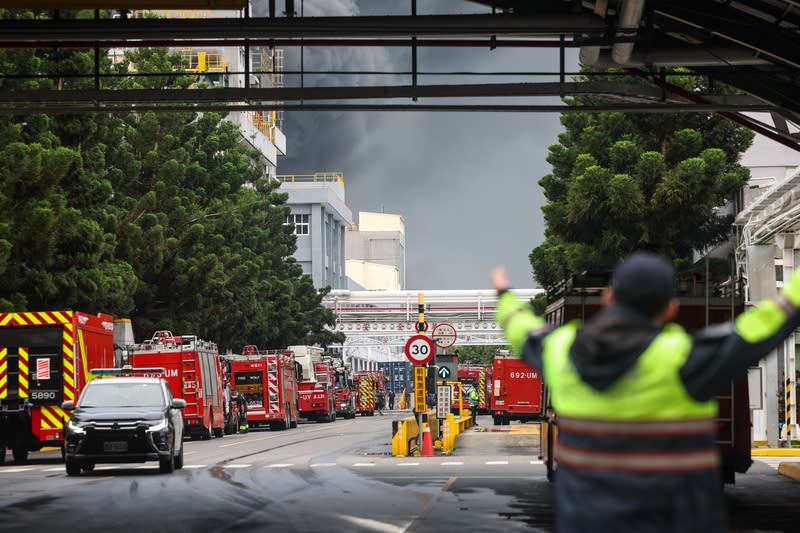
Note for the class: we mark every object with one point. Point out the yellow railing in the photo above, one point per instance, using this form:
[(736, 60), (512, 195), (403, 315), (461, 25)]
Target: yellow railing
[(200, 62), (175, 13), (406, 439), (318, 177), (264, 121)]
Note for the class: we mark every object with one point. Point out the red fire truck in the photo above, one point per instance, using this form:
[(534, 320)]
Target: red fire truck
[(518, 393), (194, 372), (478, 376), (367, 383), (345, 390), (317, 395), (276, 404), (583, 299), (45, 358)]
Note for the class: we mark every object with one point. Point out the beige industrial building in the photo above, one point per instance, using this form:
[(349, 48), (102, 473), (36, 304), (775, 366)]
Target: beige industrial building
[(375, 251)]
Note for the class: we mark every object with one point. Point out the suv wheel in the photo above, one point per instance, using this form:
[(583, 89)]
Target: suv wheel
[(166, 465), (179, 459), (73, 468)]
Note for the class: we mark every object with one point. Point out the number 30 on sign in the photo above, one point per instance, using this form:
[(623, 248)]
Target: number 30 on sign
[(419, 349)]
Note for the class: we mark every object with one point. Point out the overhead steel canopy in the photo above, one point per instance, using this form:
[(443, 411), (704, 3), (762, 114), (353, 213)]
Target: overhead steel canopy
[(752, 45), (124, 4)]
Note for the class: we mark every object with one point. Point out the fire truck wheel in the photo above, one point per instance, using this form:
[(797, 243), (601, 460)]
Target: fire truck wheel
[(73, 468), (20, 453), (167, 464), (293, 423), (179, 459), (208, 432), (87, 467), (218, 432)]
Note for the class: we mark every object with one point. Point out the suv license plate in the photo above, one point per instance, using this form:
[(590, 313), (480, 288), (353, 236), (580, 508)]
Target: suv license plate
[(115, 446)]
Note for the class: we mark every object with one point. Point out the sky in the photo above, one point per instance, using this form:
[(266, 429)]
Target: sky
[(466, 183)]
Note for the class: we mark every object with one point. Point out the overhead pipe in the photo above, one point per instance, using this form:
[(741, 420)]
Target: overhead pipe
[(630, 17), (690, 56), (590, 54)]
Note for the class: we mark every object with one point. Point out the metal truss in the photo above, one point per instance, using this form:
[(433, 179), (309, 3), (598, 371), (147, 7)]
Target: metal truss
[(751, 45), (389, 318)]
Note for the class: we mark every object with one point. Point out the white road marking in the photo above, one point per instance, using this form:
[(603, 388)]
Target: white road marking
[(315, 465), (143, 467), (407, 464), (279, 465), (195, 466), (106, 467), (496, 462), (363, 464), (238, 466), (12, 470), (246, 441), (374, 525), (54, 469), (451, 463), (537, 462)]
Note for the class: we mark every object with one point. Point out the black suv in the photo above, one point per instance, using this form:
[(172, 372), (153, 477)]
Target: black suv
[(124, 420)]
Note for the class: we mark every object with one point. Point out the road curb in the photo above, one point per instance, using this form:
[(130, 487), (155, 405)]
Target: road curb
[(790, 470), (776, 452)]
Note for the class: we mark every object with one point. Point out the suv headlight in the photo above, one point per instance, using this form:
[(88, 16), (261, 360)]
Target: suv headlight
[(75, 428), (157, 425)]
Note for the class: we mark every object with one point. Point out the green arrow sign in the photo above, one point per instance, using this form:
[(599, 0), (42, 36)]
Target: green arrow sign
[(444, 372)]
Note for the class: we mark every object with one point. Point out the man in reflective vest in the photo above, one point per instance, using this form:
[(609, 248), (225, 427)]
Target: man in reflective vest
[(634, 397), (474, 400)]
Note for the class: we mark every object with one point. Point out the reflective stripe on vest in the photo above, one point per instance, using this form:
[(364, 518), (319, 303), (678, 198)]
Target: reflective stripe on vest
[(639, 461), (637, 446)]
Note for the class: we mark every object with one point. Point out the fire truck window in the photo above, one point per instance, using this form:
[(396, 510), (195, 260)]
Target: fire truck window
[(204, 371), (210, 378)]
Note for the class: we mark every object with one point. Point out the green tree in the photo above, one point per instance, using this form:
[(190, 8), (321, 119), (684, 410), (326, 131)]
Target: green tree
[(164, 218), (477, 355), (55, 251), (623, 182)]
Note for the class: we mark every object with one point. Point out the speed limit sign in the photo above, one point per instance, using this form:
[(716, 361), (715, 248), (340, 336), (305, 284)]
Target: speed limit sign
[(419, 349)]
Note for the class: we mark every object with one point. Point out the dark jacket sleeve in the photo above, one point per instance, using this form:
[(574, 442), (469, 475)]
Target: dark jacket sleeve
[(723, 353)]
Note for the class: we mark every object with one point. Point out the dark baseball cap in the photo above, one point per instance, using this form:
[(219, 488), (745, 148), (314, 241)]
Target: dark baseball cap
[(645, 282)]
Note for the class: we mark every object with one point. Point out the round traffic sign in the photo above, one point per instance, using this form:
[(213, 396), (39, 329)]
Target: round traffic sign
[(444, 335), (419, 349)]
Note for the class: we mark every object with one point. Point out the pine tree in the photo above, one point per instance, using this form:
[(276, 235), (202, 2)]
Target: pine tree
[(164, 218), (623, 182)]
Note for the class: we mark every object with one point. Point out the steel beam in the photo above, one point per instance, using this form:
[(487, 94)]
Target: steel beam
[(552, 26)]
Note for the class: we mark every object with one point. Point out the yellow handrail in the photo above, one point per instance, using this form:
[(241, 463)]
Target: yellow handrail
[(317, 177)]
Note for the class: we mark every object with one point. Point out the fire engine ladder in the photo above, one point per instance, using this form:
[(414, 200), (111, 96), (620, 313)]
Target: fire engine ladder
[(273, 396), (189, 382), (722, 421)]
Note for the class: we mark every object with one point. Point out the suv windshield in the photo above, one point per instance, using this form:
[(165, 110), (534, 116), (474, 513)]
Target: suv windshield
[(122, 395)]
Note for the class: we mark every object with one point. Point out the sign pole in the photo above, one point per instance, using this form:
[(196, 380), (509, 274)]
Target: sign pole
[(421, 390)]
